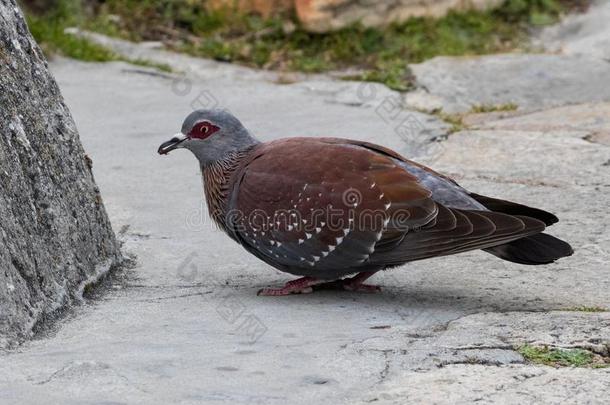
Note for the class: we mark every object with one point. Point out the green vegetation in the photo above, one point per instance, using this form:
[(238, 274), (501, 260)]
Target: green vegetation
[(49, 32), (486, 108), (455, 120), (378, 54), (585, 308), (561, 357)]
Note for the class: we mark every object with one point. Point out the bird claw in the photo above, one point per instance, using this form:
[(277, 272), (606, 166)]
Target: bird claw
[(306, 285), (355, 284), (303, 285), (349, 285)]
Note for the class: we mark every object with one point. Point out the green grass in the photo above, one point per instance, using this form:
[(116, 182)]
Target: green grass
[(561, 357), (49, 32), (455, 120), (377, 54), (585, 308), (51, 37), (487, 108)]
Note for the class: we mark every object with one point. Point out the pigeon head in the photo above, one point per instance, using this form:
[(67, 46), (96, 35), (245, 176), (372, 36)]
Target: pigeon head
[(211, 135)]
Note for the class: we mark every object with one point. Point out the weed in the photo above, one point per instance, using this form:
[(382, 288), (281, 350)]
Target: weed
[(561, 357), (486, 108)]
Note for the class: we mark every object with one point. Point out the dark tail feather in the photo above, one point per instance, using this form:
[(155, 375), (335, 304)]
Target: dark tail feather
[(536, 249), (512, 208)]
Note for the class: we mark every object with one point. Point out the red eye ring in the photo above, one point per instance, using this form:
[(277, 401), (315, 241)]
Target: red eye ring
[(202, 130)]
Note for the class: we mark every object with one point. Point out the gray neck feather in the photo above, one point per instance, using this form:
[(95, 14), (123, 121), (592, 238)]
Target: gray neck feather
[(221, 146)]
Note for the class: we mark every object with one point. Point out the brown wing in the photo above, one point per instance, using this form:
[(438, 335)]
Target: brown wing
[(309, 204)]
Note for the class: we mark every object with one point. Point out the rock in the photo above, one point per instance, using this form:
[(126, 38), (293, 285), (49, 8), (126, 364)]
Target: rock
[(421, 100), (467, 384), (326, 15), (515, 157), (561, 329), (55, 237), (581, 34), (531, 81), (590, 117)]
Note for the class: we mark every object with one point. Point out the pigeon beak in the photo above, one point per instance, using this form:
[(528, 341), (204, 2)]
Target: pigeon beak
[(172, 144)]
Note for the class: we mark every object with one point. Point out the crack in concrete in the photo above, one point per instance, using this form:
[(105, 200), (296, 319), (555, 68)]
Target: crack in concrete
[(386, 369)]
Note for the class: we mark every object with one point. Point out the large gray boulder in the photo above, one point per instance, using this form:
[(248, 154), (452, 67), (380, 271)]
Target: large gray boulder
[(55, 237), (530, 81)]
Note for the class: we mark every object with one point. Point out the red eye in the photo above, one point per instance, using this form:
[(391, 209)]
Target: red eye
[(203, 130)]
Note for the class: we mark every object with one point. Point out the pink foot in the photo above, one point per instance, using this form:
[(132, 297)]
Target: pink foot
[(303, 285), (356, 283)]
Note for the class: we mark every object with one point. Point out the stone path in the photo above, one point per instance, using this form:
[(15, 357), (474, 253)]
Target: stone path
[(185, 326)]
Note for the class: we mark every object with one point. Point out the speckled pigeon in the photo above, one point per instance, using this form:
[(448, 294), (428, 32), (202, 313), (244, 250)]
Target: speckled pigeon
[(328, 208)]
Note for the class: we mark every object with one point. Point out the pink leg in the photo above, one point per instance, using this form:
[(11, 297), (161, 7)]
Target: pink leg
[(301, 285), (356, 283)]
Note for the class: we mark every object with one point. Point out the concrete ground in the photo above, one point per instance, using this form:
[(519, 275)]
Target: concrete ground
[(185, 325)]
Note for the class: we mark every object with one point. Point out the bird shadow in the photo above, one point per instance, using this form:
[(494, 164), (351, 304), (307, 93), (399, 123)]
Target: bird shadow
[(426, 297)]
